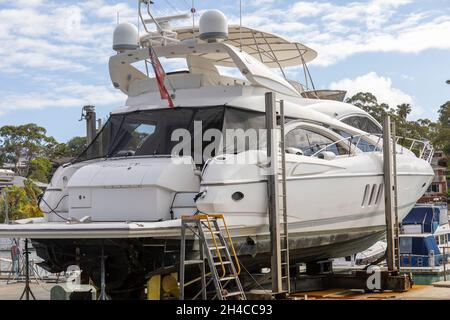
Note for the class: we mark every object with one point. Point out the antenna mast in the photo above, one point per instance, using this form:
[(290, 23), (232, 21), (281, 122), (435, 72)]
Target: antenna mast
[(193, 10), (240, 24)]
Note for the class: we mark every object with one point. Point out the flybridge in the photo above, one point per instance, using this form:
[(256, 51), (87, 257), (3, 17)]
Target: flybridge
[(205, 48)]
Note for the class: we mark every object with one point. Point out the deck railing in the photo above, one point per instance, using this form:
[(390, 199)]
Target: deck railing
[(374, 143)]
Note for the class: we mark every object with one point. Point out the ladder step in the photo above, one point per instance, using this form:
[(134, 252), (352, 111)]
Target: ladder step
[(233, 294), (222, 263), (217, 248), (192, 262), (228, 278)]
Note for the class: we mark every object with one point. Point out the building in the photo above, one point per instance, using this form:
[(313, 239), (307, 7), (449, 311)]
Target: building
[(20, 168), (438, 191), (6, 178)]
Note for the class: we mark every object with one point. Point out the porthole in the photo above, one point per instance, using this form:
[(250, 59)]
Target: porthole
[(237, 196)]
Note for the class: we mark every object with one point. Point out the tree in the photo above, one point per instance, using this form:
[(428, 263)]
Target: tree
[(403, 111), (54, 149), (76, 146), (25, 141), (444, 114), (442, 138), (22, 202), (369, 103), (40, 169)]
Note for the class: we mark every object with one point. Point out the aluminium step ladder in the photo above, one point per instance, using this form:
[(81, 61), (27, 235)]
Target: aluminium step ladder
[(214, 247)]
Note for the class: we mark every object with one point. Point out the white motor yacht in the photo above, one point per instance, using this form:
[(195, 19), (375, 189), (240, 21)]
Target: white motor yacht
[(127, 191)]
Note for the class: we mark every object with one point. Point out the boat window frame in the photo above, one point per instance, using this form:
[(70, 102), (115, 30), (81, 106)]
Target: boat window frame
[(321, 130), (368, 117)]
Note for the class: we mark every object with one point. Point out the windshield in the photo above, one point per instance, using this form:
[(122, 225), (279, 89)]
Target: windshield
[(150, 132), (364, 124)]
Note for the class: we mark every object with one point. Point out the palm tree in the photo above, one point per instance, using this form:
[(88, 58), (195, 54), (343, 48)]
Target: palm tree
[(404, 110)]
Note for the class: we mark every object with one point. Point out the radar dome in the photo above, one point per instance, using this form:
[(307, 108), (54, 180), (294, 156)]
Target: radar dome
[(126, 37), (213, 26)]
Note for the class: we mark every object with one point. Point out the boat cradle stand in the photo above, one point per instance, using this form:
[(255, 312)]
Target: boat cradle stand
[(372, 279)]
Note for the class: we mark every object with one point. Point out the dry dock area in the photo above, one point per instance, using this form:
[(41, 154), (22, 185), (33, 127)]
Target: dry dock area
[(437, 291)]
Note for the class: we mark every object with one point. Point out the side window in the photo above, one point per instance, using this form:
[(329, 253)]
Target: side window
[(363, 145), (310, 142), (406, 245), (363, 123)]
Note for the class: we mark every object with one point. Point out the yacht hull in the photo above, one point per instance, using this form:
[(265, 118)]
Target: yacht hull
[(131, 261)]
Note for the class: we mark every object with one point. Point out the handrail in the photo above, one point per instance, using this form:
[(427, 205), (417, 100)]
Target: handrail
[(427, 147), (425, 153), (224, 271), (349, 139), (233, 249)]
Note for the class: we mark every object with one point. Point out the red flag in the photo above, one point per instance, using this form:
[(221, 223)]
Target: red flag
[(160, 76)]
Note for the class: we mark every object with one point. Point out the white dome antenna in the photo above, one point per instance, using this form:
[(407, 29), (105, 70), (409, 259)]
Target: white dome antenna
[(213, 26), (126, 37)]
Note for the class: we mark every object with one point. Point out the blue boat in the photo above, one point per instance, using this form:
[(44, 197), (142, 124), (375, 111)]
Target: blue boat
[(424, 242)]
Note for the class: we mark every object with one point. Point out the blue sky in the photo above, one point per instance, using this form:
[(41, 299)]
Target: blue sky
[(54, 54)]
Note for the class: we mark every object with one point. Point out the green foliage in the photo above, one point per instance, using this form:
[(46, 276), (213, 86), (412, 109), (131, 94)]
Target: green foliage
[(369, 103), (76, 146), (22, 202), (442, 139), (40, 169), (403, 111), (25, 141), (423, 129)]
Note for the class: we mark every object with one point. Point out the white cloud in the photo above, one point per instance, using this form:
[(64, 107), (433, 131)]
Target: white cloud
[(69, 95), (380, 86), (74, 38), (338, 31), (309, 9)]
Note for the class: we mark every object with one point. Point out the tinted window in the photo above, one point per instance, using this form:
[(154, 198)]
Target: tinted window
[(363, 123), (362, 144), (149, 132), (310, 142)]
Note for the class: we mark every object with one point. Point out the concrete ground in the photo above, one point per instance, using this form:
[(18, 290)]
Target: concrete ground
[(14, 290), (439, 291)]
